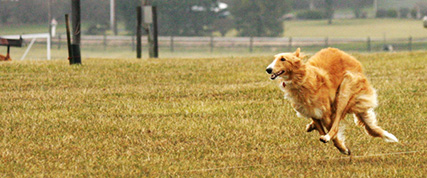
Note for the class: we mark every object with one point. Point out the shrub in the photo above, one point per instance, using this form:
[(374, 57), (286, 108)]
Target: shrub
[(381, 13), (392, 13), (311, 14), (404, 12)]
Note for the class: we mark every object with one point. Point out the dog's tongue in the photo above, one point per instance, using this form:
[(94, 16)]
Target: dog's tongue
[(273, 77)]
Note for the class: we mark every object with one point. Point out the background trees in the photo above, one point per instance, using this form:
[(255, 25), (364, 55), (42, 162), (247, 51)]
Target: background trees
[(259, 18)]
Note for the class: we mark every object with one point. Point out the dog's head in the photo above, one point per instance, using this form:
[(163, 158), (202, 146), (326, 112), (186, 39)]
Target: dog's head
[(284, 64)]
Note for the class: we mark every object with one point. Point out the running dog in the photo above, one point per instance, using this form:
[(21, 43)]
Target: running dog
[(326, 88)]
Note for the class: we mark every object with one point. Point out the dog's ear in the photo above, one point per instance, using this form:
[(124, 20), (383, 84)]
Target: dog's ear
[(297, 52)]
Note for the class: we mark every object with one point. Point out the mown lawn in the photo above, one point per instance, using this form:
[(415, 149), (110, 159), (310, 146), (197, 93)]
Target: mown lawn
[(196, 117), (356, 28)]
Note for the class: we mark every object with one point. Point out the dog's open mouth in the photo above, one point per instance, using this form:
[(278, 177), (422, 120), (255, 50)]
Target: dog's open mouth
[(275, 75)]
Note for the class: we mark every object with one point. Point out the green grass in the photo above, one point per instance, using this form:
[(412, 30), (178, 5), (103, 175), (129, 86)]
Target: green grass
[(195, 118), (356, 28)]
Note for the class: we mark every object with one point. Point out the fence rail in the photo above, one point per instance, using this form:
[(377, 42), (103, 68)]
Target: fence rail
[(179, 46), (250, 42)]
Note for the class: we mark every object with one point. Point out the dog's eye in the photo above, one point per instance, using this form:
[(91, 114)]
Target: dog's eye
[(283, 59)]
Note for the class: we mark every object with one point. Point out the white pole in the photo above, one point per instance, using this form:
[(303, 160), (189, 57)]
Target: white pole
[(49, 41), (112, 14), (28, 48)]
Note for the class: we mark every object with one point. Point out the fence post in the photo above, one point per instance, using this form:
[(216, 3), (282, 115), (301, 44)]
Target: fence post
[(212, 43), (59, 41), (155, 33), (251, 41), (133, 43), (326, 42), (368, 44), (410, 43), (105, 41), (171, 43), (290, 44), (138, 32)]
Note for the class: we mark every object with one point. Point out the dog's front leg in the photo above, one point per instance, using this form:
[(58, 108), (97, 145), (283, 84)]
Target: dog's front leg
[(317, 124)]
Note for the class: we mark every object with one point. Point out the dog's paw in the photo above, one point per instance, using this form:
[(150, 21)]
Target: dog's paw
[(325, 138), (310, 127), (346, 152)]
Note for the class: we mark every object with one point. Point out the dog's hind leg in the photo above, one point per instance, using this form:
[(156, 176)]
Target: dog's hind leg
[(369, 121), (342, 105), (339, 141)]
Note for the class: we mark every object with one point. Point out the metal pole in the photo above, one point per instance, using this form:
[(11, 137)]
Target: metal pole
[(113, 23), (138, 32), (75, 10), (155, 33), (49, 16)]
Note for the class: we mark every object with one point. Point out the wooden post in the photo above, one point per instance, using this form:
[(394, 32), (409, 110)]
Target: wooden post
[(67, 24), (105, 41), (76, 21), (369, 44), (251, 41), (75, 10), (410, 43), (155, 33), (59, 41), (172, 47), (290, 43), (211, 43), (133, 43), (138, 32)]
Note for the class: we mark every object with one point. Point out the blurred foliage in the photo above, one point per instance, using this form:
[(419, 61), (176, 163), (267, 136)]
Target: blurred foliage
[(176, 17), (311, 14), (259, 18)]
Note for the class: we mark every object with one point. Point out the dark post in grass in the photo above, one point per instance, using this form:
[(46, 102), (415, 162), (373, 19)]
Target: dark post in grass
[(290, 44), (150, 20), (76, 24), (410, 43), (138, 32), (155, 33), (67, 24)]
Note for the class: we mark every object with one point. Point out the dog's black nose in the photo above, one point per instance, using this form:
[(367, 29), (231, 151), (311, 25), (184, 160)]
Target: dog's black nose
[(269, 70)]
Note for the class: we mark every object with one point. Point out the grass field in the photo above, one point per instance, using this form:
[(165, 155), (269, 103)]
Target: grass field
[(356, 28), (196, 117)]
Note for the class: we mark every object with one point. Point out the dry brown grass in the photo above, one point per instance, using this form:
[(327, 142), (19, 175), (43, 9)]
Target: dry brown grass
[(193, 118)]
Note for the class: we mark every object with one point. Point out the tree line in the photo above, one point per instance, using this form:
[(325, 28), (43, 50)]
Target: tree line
[(176, 17)]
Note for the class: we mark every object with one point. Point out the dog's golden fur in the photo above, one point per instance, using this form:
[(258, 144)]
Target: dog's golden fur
[(328, 86)]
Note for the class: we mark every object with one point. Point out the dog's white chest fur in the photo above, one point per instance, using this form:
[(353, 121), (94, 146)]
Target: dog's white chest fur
[(304, 107)]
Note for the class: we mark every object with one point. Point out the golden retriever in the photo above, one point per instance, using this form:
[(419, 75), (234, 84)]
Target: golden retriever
[(326, 88)]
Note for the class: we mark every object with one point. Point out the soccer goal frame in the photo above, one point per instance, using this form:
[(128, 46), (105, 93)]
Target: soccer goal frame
[(33, 38)]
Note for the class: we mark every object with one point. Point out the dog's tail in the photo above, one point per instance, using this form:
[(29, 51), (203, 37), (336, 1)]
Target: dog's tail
[(368, 120)]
